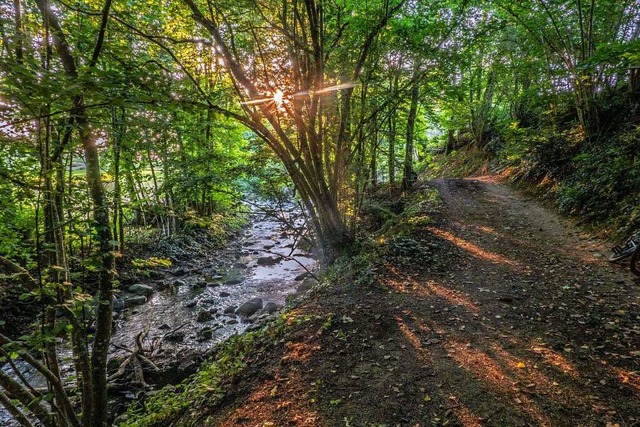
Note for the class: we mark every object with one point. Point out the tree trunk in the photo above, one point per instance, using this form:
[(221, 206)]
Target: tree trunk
[(101, 224), (373, 165), (408, 175)]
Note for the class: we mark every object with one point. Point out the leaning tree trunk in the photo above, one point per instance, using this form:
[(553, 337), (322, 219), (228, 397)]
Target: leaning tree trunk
[(292, 131)]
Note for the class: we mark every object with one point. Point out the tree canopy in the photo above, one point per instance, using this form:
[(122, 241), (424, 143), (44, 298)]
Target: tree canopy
[(129, 120)]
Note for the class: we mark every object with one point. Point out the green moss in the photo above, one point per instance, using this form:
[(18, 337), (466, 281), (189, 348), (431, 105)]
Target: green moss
[(152, 262)]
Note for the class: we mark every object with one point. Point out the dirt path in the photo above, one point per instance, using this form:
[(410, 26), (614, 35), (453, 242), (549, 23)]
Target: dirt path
[(498, 314), (531, 325)]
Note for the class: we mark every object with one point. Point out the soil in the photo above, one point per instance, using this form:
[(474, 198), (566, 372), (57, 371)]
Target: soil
[(510, 317)]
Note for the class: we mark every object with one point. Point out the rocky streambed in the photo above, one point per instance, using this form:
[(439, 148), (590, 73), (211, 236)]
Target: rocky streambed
[(176, 319), (166, 325)]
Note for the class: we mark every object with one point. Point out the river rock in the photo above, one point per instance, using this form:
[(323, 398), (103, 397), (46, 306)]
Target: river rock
[(187, 364), (270, 307), (268, 261), (232, 322), (249, 307), (206, 334), (301, 276), (180, 271), (230, 310), (139, 289), (208, 301), (161, 285), (233, 282), (224, 294), (267, 247), (192, 303), (179, 282), (118, 304), (135, 300), (204, 316), (240, 265)]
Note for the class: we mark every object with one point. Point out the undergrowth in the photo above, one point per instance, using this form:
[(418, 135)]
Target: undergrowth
[(596, 181)]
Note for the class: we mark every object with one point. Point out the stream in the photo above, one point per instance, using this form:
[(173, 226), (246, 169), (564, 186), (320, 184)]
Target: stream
[(199, 302)]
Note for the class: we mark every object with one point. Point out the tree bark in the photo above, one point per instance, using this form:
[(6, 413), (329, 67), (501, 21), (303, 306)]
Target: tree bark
[(408, 176)]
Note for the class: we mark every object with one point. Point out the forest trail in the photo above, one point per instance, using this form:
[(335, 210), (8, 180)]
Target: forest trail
[(508, 317), (534, 325)]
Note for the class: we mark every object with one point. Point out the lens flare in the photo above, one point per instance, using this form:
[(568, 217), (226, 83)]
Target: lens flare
[(278, 97)]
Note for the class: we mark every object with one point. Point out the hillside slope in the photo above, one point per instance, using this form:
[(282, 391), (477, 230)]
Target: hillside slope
[(489, 311)]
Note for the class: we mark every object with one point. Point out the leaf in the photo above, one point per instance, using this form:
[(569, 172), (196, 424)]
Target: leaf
[(346, 319), (427, 398), (520, 365)]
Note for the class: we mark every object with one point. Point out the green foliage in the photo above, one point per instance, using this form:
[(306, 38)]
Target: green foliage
[(151, 262), (605, 191)]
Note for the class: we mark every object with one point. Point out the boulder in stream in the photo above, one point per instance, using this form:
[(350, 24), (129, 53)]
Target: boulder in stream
[(200, 284), (267, 260), (204, 316), (233, 282), (270, 307), (176, 336), (140, 289), (301, 276), (118, 304), (224, 294), (206, 333), (230, 310), (249, 307)]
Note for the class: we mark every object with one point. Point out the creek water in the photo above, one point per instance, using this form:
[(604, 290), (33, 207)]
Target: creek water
[(262, 262)]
